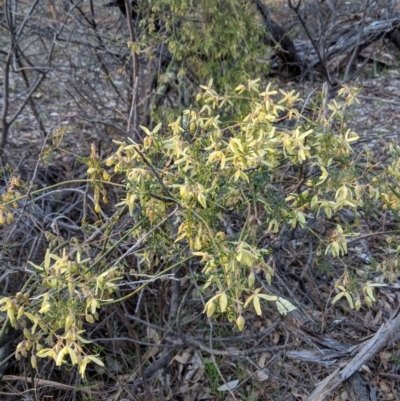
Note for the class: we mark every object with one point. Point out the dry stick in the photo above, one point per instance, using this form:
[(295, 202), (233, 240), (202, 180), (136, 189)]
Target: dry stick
[(134, 337), (387, 333), (295, 8), (135, 75), (49, 383), (31, 102), (14, 47), (133, 113), (6, 123), (231, 352), (6, 78), (28, 194), (102, 46), (356, 49), (188, 338)]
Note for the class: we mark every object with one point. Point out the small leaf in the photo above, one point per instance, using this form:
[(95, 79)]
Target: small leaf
[(89, 318), (82, 340), (28, 334), (240, 323), (95, 360), (228, 386), (47, 260), (11, 316), (157, 128), (21, 311), (31, 317), (257, 306), (145, 129), (73, 356), (357, 304), (251, 279), (45, 307), (223, 302), (82, 366), (368, 300), (33, 361), (338, 296), (284, 306), (370, 293), (44, 352), (60, 358), (268, 297), (202, 200), (210, 308), (349, 300), (248, 300)]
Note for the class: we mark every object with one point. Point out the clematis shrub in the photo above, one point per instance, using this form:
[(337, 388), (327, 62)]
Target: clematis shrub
[(210, 194)]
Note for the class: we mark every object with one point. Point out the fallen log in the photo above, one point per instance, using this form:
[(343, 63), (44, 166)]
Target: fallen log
[(333, 53)]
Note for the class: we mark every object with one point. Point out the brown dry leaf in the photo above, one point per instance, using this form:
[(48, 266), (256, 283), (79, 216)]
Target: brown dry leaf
[(365, 368), (384, 388), (152, 335), (275, 338), (263, 358), (261, 375), (368, 317), (301, 397), (190, 368), (385, 358), (194, 369), (182, 358), (378, 318)]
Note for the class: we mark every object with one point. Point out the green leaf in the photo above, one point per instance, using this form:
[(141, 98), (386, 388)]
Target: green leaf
[(47, 260), (31, 317), (60, 357), (248, 300), (73, 356), (223, 302), (210, 308), (202, 200), (95, 360), (82, 340), (349, 300), (44, 352), (338, 296), (257, 306), (268, 297), (145, 129), (240, 322)]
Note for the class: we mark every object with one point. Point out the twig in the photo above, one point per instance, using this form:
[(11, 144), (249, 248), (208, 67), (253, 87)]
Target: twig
[(303, 23), (135, 74), (50, 383)]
